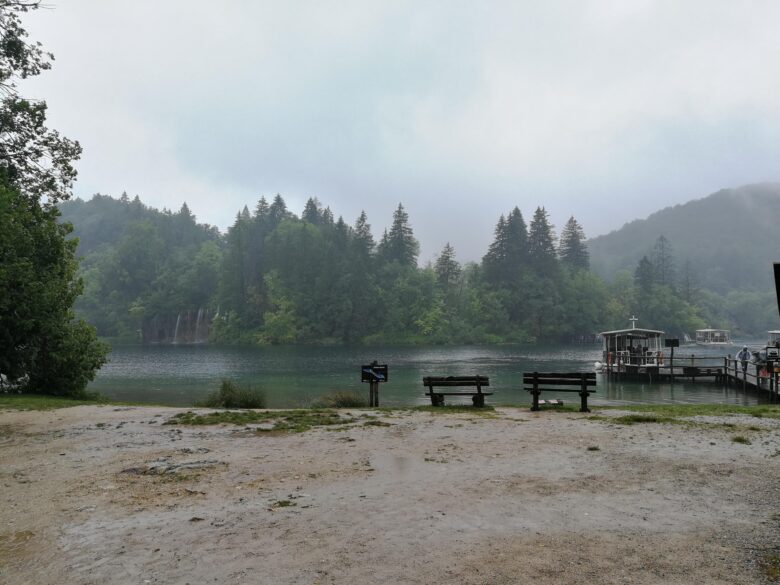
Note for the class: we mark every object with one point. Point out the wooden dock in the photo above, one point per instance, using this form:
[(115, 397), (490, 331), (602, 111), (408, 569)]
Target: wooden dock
[(723, 370)]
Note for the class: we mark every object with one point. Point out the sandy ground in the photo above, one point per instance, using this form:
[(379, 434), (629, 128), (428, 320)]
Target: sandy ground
[(94, 495)]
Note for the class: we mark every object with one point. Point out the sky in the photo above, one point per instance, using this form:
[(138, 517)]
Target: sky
[(602, 110)]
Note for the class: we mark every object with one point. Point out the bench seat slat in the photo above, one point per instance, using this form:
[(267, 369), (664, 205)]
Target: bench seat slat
[(459, 393), (560, 381), (530, 389), (543, 375)]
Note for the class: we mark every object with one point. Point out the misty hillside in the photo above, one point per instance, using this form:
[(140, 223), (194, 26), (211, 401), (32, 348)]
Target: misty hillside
[(730, 238)]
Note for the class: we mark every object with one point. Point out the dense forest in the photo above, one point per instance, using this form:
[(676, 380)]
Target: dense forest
[(279, 278)]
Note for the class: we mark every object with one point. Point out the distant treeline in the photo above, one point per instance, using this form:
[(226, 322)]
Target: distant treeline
[(277, 278)]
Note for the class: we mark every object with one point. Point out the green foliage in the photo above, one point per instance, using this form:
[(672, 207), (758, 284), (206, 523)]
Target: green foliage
[(341, 399), (34, 160), (573, 250), (278, 279), (232, 395), (729, 238)]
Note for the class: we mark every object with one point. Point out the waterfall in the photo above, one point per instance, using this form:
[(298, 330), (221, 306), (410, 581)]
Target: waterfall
[(197, 325), (176, 331)]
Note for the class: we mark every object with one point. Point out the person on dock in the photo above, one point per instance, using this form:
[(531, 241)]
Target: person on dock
[(744, 356)]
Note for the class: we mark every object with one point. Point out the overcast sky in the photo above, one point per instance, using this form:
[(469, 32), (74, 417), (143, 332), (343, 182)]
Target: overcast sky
[(607, 111)]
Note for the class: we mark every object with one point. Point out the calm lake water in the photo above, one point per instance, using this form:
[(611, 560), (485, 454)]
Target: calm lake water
[(293, 376)]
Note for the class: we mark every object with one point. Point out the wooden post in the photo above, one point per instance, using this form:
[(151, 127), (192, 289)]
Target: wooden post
[(373, 394), (535, 404), (583, 393), (671, 364)]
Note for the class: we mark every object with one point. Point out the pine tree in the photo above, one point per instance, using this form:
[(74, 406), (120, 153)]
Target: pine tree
[(663, 261), (494, 261), (447, 268), (399, 244), (363, 238), (573, 250), (541, 243), (311, 213), (261, 209), (277, 212), (644, 276), (516, 246)]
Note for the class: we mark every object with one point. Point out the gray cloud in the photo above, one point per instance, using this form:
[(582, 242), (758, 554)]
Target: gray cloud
[(603, 110)]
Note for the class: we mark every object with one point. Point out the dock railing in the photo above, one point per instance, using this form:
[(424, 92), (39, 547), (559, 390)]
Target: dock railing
[(764, 376)]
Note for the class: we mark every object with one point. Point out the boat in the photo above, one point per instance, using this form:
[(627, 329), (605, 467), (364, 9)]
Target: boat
[(713, 337), (632, 347)]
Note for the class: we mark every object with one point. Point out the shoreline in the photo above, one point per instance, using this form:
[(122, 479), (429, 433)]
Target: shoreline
[(108, 493)]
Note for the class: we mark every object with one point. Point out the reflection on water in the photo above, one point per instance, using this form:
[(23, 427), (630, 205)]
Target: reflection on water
[(292, 376)]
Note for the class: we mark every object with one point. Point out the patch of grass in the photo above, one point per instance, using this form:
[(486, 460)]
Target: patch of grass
[(687, 410), (283, 504), (43, 402), (741, 439), (340, 399), (376, 423), (295, 421), (752, 428), (631, 419), (232, 395), (771, 566), (594, 448)]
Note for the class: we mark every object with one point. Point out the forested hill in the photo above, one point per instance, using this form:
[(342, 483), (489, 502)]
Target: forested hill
[(276, 277), (728, 239)]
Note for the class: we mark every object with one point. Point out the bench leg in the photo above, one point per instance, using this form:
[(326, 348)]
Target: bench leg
[(437, 400), (478, 400), (535, 404), (584, 402)]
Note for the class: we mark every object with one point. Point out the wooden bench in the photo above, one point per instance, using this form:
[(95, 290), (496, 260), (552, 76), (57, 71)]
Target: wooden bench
[(477, 396), (538, 382)]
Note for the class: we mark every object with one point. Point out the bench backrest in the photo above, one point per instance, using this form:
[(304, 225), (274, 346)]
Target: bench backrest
[(456, 381), (560, 379)]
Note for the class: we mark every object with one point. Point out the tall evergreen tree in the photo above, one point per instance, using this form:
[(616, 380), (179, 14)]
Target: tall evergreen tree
[(644, 276), (663, 261), (363, 238), (447, 268), (399, 244), (311, 212), (261, 209), (573, 250), (494, 261), (277, 212), (516, 246), (541, 243)]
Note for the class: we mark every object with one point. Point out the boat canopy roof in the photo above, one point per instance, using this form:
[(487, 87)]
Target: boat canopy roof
[(635, 332), (712, 330)]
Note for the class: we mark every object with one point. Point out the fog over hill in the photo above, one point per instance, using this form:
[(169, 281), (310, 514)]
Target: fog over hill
[(730, 239)]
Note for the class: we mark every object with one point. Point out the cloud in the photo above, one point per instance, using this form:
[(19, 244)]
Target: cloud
[(602, 110)]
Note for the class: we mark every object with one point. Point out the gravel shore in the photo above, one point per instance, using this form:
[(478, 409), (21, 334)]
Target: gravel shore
[(102, 494)]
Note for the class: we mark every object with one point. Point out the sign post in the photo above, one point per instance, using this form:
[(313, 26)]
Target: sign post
[(373, 374), (671, 343)]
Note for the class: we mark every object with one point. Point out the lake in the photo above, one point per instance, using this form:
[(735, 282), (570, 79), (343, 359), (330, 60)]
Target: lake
[(180, 375)]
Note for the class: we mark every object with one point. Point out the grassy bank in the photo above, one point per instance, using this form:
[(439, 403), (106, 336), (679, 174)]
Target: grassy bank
[(42, 402)]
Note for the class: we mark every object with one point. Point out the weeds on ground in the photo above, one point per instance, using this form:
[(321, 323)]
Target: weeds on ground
[(340, 399), (688, 410), (771, 566), (232, 395), (741, 439), (294, 421)]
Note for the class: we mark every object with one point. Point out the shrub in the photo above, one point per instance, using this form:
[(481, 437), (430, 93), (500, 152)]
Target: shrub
[(233, 395), (340, 399)]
